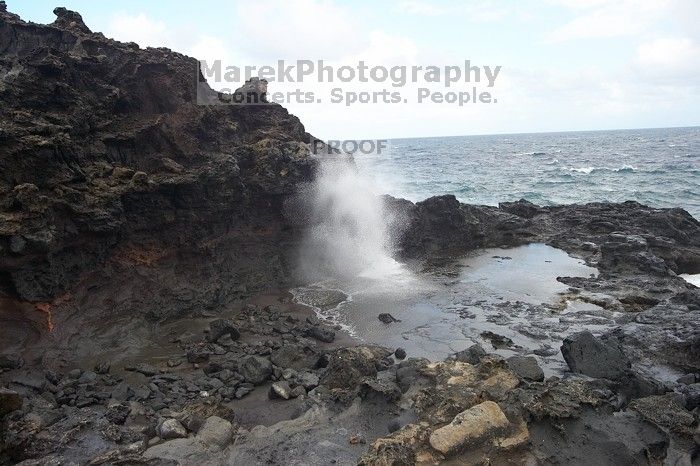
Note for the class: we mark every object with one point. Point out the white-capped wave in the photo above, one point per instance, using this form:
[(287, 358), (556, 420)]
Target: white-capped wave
[(589, 170)]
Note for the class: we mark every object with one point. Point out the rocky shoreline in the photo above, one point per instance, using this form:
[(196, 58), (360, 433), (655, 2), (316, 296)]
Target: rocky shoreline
[(147, 248)]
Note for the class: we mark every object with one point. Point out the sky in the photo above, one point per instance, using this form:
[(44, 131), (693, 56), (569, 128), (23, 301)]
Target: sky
[(566, 65)]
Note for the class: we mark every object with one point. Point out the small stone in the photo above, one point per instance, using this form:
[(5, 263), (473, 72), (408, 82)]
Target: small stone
[(9, 401), (497, 341), (198, 354), (280, 390), (102, 368), (298, 391), (117, 413), (384, 364), (170, 429), (400, 353), (75, 374), (122, 392), (140, 179), (307, 380), (387, 318), (244, 390), (174, 362), (17, 244), (145, 369)]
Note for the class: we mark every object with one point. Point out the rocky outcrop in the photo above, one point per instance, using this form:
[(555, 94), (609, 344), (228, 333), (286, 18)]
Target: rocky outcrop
[(110, 170), (620, 238)]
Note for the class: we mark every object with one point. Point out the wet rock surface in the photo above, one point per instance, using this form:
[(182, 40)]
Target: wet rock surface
[(138, 228)]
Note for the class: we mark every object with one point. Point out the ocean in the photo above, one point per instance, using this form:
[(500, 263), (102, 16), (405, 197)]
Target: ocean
[(657, 167)]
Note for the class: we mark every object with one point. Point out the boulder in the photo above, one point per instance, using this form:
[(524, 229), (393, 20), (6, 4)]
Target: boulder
[(297, 357), (171, 429), (321, 334), (471, 355), (526, 368), (255, 369), (470, 428), (215, 432), (348, 366), (221, 327), (589, 355)]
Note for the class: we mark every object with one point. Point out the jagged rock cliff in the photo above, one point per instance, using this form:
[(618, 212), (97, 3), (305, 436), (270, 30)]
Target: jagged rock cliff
[(113, 177)]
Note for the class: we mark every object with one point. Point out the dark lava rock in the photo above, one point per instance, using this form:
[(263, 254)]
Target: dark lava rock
[(322, 334), (117, 413), (172, 429), (198, 354), (384, 364), (295, 357), (11, 361), (387, 318), (400, 353), (220, 327), (136, 145), (409, 373), (281, 390), (526, 367), (589, 355), (498, 341), (380, 390), (244, 389), (521, 208), (471, 355), (145, 369), (691, 395), (348, 366), (666, 412), (102, 368), (688, 379), (122, 392), (9, 401), (255, 369)]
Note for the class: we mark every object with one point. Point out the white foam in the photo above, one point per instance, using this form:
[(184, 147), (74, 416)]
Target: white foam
[(692, 279)]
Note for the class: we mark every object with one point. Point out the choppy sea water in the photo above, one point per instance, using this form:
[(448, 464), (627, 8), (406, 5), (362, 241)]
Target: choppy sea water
[(658, 167)]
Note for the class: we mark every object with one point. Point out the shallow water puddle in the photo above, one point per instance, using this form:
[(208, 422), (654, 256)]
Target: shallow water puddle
[(509, 300)]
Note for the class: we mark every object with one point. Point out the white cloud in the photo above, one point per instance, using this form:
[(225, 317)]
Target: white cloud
[(418, 7), (484, 11), (607, 18), (668, 61), (671, 53), (139, 28), (304, 29)]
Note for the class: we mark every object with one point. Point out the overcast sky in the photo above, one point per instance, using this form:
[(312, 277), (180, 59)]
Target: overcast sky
[(566, 64)]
